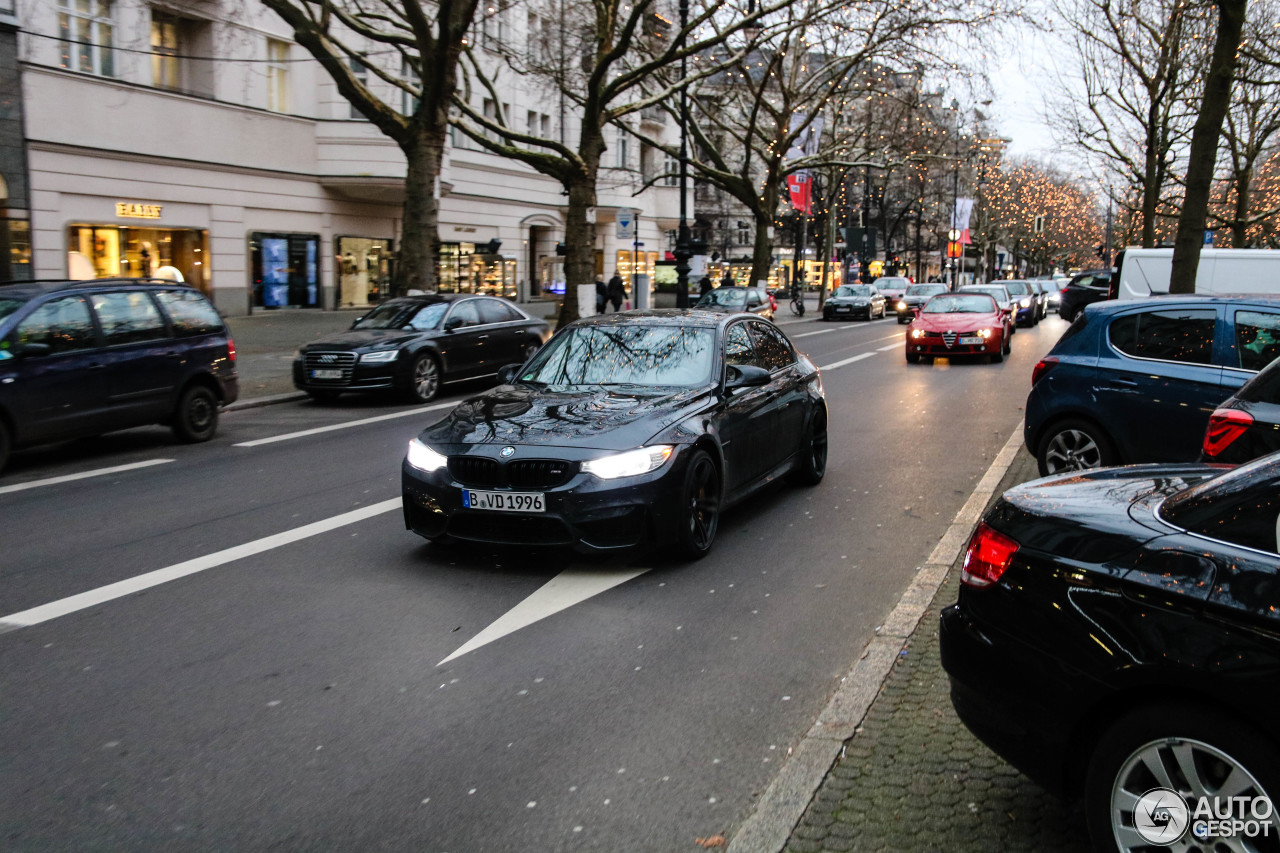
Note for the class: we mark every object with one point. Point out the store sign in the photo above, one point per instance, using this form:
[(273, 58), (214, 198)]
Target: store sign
[(135, 210)]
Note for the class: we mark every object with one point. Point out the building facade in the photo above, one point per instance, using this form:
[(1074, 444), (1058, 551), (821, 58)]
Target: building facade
[(194, 138)]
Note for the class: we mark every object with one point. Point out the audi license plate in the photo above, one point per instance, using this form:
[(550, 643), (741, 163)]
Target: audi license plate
[(326, 374), (506, 501), (975, 340), (843, 308)]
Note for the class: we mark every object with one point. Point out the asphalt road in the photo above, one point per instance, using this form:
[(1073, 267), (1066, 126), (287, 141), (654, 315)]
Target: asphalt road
[(282, 686)]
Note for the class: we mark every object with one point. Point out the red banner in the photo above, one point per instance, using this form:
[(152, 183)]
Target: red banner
[(799, 184)]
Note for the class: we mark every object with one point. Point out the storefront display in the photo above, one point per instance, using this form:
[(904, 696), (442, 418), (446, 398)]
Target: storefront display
[(471, 268), (285, 270), (364, 271), (110, 251)]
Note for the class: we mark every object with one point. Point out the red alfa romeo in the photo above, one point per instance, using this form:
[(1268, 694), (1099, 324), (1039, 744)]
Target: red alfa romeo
[(952, 324)]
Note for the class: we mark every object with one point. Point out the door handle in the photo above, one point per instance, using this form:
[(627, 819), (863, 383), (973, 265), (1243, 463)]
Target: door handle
[(483, 338), (97, 366), (1122, 383)]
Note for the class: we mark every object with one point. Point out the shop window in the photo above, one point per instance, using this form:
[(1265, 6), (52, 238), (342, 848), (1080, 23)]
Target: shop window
[(277, 76), (285, 270), (87, 29), (110, 251), (364, 270)]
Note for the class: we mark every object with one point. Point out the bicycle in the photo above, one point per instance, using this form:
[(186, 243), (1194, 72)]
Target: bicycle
[(797, 303)]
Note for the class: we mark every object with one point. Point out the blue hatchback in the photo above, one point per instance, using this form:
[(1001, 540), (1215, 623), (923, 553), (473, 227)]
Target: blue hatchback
[(1136, 380)]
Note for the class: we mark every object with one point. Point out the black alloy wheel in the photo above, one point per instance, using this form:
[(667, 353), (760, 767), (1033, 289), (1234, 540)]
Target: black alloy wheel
[(811, 458), (424, 379), (1073, 445), (701, 507), (195, 418)]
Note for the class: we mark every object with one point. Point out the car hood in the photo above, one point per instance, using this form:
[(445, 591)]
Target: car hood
[(598, 418), (354, 339), (955, 322), (1093, 516)]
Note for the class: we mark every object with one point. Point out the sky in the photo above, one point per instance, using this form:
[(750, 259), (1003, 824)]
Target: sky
[(1025, 76)]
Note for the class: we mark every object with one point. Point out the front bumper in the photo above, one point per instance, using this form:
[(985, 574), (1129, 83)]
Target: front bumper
[(846, 312), (585, 513), (359, 377), (937, 347)]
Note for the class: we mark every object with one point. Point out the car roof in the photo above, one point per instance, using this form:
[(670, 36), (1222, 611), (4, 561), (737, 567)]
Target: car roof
[(1188, 299), (30, 289)]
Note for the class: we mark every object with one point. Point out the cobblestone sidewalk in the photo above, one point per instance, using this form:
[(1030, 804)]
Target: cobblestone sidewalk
[(914, 779)]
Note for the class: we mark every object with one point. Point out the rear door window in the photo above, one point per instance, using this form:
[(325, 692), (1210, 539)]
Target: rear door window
[(1184, 336), (466, 313), (1257, 338), (65, 325), (493, 311), (128, 317)]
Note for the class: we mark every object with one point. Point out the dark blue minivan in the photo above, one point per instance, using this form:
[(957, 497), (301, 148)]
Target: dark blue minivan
[(1136, 380), (80, 358)]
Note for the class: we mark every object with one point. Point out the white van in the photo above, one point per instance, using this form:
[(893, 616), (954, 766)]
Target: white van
[(1144, 272)]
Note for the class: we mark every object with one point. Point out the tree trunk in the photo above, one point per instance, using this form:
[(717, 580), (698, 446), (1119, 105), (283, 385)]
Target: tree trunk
[(762, 246), (420, 236), (580, 245), (1240, 222), (1150, 182), (1204, 145)]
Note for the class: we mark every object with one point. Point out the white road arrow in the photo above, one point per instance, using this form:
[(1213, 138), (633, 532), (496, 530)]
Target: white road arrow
[(566, 589)]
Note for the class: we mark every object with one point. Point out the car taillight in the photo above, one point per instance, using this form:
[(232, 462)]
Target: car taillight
[(1042, 367), (1225, 426), (989, 555), (231, 350)]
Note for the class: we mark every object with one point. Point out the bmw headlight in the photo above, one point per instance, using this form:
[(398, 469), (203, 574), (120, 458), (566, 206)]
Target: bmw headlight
[(424, 458), (630, 463), (380, 357)]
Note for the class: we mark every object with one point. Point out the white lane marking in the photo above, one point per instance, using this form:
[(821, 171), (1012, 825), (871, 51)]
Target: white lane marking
[(846, 361), (889, 347), (570, 587), (119, 589), (67, 478), (811, 334), (344, 425)]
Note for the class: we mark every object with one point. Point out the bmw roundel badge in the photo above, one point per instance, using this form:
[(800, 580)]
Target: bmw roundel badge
[(507, 451)]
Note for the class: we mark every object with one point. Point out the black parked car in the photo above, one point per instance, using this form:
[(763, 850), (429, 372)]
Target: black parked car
[(1135, 380), (1084, 289), (915, 296), (1117, 639), (625, 429), (855, 300), (80, 358), (730, 299), (415, 344), (1247, 425)]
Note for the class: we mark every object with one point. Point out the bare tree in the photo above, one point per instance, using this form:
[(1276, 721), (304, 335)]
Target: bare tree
[(347, 36)]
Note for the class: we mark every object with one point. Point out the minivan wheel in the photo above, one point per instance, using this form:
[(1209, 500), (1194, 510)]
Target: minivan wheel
[(1073, 445), (1191, 752), (196, 416)]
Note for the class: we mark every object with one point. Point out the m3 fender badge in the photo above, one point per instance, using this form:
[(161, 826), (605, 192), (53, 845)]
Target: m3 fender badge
[(508, 451)]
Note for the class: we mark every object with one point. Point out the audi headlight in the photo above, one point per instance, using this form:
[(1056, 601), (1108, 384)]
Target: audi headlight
[(901, 306), (1025, 303), (424, 458), (917, 333), (380, 357), (630, 463)]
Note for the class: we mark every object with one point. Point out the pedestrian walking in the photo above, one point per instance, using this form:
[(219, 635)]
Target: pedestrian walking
[(616, 291), (704, 286), (726, 280)]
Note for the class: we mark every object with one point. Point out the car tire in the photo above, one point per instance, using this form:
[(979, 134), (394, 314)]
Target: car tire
[(902, 321), (699, 507), (5, 444), (324, 396), (1073, 445), (195, 418), (913, 358), (996, 357), (811, 460), (1006, 344), (424, 379), (1174, 740)]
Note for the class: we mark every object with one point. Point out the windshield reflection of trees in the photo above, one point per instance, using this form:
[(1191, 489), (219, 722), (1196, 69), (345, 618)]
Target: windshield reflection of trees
[(959, 305), (661, 356)]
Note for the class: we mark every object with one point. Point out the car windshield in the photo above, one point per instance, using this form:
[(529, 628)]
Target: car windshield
[(726, 297), (853, 290), (890, 283), (397, 315), (1017, 288), (1000, 295), (960, 303), (621, 354), (8, 306), (926, 289)]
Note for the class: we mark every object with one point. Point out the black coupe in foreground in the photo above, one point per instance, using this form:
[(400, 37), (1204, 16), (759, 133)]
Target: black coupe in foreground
[(1117, 638), (415, 344), (625, 429)]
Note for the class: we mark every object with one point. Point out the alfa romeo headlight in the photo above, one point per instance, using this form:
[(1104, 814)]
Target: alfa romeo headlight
[(917, 333), (380, 357), (630, 463), (424, 458), (984, 333)]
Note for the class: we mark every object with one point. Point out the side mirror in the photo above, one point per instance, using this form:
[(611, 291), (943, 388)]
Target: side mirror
[(34, 350), (356, 321), (507, 373), (745, 376), (915, 311), (452, 323)]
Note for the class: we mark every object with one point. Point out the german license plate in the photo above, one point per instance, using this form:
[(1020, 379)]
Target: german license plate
[(843, 308), (326, 374), (973, 340), (505, 501)]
